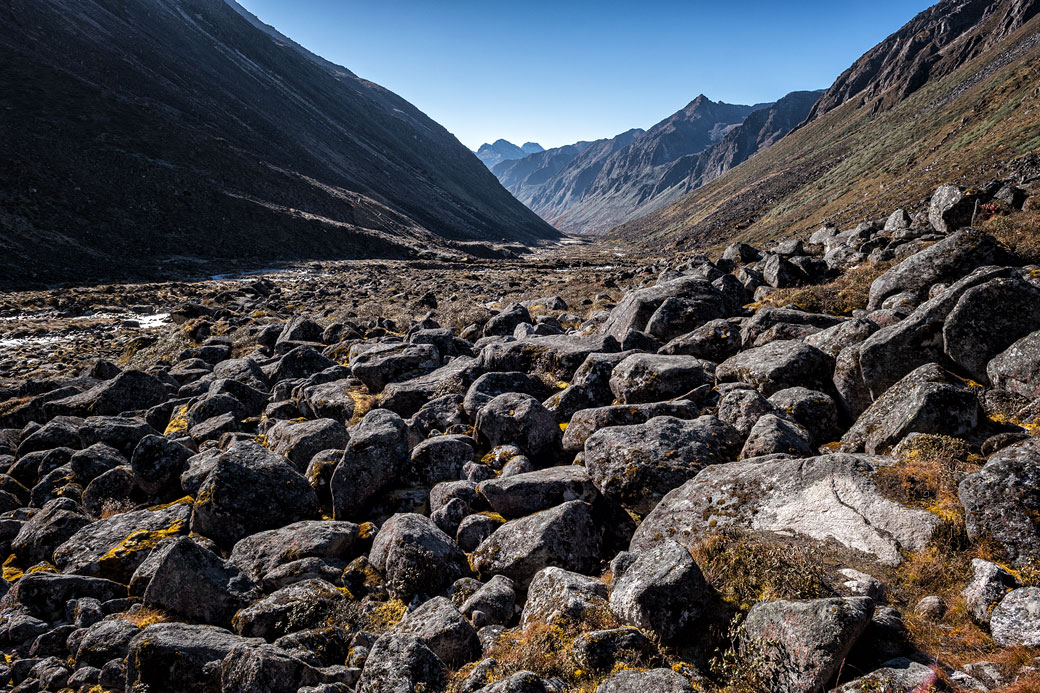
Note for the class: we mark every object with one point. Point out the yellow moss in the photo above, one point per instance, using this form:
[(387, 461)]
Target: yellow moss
[(178, 421), (385, 616), (11, 572), (563, 427), (142, 539), (145, 616), (366, 530), (42, 568), (186, 500)]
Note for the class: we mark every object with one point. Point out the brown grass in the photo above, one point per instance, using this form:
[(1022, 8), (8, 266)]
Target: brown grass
[(845, 294), (145, 616), (745, 569), (1018, 233), (116, 507)]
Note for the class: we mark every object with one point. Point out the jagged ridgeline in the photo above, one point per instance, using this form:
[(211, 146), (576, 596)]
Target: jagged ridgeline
[(143, 136)]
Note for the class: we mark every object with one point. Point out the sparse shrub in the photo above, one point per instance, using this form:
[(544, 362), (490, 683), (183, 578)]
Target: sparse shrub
[(745, 569), (114, 506), (743, 669)]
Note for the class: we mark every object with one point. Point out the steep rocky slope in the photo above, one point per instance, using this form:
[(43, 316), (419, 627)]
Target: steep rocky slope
[(951, 96), (143, 135), (660, 487), (614, 180), (504, 150)]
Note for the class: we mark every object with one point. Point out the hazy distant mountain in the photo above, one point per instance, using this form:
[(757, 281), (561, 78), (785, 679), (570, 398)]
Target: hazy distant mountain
[(504, 150), (611, 181), (951, 96), (141, 132)]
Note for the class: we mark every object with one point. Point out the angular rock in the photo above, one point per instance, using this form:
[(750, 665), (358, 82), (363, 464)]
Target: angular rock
[(523, 494), (643, 378), (989, 584), (557, 596), (587, 421), (300, 441), (386, 363), (927, 400), (375, 456), (46, 530), (250, 489), (715, 340), (772, 435), (523, 421), (637, 465), (1016, 620), (441, 459), (300, 606), (1002, 501), (803, 644), (158, 463), (415, 557), (777, 366), (565, 536), (265, 669), (1017, 368), (952, 208), (826, 497), (491, 385), (635, 681), (180, 658), (496, 600), (662, 592), (401, 662), (440, 626)]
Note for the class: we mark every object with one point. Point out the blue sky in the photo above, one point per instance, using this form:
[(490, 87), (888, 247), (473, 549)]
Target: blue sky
[(563, 71)]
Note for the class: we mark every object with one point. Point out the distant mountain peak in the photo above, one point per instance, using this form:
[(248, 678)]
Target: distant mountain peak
[(504, 150)]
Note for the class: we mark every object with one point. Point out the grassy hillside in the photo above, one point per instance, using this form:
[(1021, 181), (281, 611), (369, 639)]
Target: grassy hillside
[(858, 161)]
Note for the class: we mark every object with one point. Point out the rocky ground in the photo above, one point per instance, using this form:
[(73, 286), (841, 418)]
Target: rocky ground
[(801, 468)]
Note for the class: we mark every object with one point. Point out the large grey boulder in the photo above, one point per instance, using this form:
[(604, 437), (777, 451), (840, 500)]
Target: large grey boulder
[(376, 456), (587, 421), (194, 584), (814, 410), (557, 356), (928, 400), (779, 365), (831, 497), (637, 465), (114, 547), (406, 397), (901, 675), (260, 553), (250, 489), (676, 316), (662, 592), (401, 663), (895, 350), (180, 658), (565, 536), (491, 385), (386, 363), (495, 601), (1002, 501), (1016, 620), (266, 669), (952, 207), (519, 419), (642, 378), (1017, 368), (803, 644), (523, 494), (158, 463), (443, 629), (50, 527), (949, 259), (558, 596), (415, 557), (987, 320), (636, 309), (715, 340), (299, 441), (299, 606)]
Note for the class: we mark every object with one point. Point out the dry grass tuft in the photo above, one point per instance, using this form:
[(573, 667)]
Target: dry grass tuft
[(1018, 233), (845, 294), (145, 616), (116, 507), (745, 569)]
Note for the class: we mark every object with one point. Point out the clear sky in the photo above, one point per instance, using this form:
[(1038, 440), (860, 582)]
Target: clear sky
[(559, 71)]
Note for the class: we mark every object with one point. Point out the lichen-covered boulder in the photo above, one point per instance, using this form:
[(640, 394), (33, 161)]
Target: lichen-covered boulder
[(300, 606), (950, 258), (779, 365), (523, 494), (826, 497), (248, 490), (557, 596), (443, 629), (266, 669), (565, 536), (157, 463), (587, 421), (637, 465), (1016, 619), (114, 547), (299, 441), (386, 363), (415, 556), (927, 400), (662, 592), (521, 420), (401, 662), (657, 680), (952, 207), (1017, 368), (989, 584), (802, 644), (772, 435), (642, 378), (715, 340), (375, 456), (260, 553), (1002, 501), (180, 658), (46, 530)]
